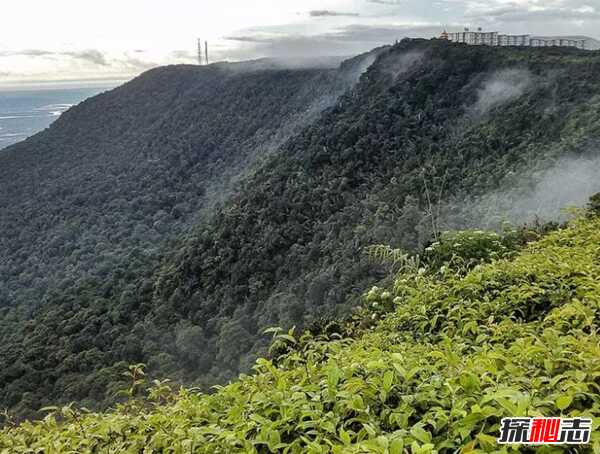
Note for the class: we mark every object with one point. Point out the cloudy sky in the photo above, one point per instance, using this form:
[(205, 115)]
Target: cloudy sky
[(114, 39)]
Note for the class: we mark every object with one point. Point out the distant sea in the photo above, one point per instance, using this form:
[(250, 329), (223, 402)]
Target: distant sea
[(26, 112)]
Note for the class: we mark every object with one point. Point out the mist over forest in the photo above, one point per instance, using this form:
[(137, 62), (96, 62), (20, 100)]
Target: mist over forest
[(173, 219)]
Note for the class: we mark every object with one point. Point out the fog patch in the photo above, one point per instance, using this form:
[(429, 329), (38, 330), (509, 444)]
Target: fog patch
[(358, 67), (397, 64), (502, 87), (541, 194), (350, 69), (264, 64), (323, 93)]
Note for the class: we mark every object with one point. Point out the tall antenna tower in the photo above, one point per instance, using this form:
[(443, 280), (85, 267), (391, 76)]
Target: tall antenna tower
[(206, 51), (199, 51)]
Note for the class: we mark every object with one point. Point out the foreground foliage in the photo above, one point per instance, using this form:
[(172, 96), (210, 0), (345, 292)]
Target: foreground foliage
[(457, 352)]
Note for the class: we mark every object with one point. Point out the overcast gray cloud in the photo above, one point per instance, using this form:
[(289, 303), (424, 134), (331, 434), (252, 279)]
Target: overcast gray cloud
[(25, 53), (287, 46), (383, 34), (567, 14), (89, 64), (343, 41), (322, 28), (525, 15), (90, 55), (134, 64), (384, 21), (183, 55), (386, 2), (93, 56), (31, 53), (328, 13), (515, 12)]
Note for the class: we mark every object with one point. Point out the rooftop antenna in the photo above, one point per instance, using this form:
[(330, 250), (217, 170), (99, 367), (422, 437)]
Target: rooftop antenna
[(206, 51)]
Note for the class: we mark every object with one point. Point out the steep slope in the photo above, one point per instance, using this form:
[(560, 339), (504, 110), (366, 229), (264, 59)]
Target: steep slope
[(429, 124), (454, 353), (88, 206), (127, 167)]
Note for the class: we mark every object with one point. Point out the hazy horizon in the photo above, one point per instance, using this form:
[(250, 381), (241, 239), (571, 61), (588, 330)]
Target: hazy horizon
[(35, 85), (72, 41), (27, 110)]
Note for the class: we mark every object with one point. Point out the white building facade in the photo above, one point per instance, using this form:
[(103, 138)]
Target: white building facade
[(481, 38)]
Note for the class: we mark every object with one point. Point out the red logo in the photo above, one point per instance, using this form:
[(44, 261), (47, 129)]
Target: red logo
[(545, 430)]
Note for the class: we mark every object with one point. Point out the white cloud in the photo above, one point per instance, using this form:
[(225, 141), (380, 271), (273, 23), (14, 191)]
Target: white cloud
[(74, 39), (329, 13)]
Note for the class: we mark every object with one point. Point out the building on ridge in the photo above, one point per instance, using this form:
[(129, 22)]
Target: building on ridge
[(481, 38)]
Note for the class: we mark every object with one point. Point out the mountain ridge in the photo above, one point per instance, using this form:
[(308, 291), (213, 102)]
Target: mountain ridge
[(428, 124), (344, 182)]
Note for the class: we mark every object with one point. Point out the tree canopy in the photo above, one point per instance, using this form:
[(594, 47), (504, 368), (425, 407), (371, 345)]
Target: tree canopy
[(172, 220)]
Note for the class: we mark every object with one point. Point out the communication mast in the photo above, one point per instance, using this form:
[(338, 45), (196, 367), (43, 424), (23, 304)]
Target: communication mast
[(199, 51), (202, 52)]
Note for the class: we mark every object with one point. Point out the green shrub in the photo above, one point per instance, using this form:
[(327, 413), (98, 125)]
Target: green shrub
[(515, 337), (594, 205)]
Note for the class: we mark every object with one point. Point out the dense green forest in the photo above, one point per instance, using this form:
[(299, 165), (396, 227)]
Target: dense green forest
[(112, 255), (88, 207), (129, 169), (289, 247), (429, 364)]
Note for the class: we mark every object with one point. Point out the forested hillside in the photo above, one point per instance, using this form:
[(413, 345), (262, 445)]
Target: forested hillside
[(429, 124), (88, 207), (127, 169), (430, 364)]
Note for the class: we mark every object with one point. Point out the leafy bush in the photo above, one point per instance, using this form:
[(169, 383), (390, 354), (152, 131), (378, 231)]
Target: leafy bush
[(517, 336), (594, 205), (465, 248), (468, 248)]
